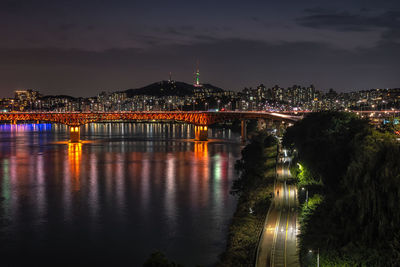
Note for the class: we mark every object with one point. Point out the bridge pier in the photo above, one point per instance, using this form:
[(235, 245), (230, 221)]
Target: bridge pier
[(279, 127), (270, 124), (243, 132), (200, 133), (261, 124), (74, 134)]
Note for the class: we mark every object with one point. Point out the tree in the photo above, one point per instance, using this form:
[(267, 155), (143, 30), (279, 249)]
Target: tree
[(252, 165), (325, 142), (358, 220), (158, 259)]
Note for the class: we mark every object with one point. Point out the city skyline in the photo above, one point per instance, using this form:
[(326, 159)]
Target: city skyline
[(200, 133), (83, 48), (141, 88)]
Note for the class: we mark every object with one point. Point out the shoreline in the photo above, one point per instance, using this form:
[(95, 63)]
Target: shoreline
[(253, 204)]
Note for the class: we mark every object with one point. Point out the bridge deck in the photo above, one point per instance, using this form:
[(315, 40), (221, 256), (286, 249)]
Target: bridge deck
[(194, 117)]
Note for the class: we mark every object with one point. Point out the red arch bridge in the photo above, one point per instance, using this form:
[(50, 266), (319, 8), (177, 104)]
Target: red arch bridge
[(200, 119)]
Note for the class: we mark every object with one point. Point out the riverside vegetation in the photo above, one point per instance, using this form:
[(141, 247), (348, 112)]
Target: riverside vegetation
[(254, 188), (351, 172)]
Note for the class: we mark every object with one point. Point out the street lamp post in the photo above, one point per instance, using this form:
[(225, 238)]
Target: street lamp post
[(302, 189), (310, 251), (307, 197)]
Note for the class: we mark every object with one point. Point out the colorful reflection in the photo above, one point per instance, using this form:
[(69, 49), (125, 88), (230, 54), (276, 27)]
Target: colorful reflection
[(170, 191), (201, 150), (6, 187), (137, 187), (27, 127), (93, 195), (74, 160)]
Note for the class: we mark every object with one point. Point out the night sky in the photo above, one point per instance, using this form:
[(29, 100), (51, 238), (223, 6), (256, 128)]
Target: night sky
[(84, 47)]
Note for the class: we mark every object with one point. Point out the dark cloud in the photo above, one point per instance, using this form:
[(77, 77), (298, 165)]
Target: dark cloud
[(345, 20), (255, 19), (318, 10), (12, 7), (392, 35), (225, 63), (67, 26), (120, 44), (388, 22), (175, 31), (189, 33), (391, 20), (202, 37), (363, 9), (337, 21), (147, 39)]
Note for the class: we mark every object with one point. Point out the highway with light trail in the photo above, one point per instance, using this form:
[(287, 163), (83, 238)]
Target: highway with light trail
[(278, 243)]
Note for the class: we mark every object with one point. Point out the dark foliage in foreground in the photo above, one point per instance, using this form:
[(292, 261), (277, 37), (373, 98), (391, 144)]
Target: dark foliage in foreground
[(358, 221), (158, 259)]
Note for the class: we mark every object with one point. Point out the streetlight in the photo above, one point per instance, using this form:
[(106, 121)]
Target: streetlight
[(310, 251), (393, 114), (218, 103), (302, 189)]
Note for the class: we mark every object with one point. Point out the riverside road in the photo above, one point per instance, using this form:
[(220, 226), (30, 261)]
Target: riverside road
[(278, 243)]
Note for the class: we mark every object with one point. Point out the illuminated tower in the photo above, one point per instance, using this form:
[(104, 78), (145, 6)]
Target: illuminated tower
[(197, 76)]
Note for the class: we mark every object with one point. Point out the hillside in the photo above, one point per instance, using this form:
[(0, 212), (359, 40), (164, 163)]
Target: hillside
[(166, 88)]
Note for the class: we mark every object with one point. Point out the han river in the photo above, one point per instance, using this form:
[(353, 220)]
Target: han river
[(129, 190)]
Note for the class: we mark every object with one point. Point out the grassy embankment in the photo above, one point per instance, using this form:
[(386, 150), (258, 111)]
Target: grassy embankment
[(254, 188)]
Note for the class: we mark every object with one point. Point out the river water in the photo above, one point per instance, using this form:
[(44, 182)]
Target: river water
[(132, 189)]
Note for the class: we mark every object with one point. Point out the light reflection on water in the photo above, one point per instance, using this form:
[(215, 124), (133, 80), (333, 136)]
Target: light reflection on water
[(131, 189)]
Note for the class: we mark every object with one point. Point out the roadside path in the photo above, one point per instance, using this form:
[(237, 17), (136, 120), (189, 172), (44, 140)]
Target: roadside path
[(278, 243)]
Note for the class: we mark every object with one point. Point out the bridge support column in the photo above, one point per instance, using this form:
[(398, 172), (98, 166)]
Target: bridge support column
[(279, 128), (261, 124), (74, 134), (243, 132), (270, 124), (200, 133)]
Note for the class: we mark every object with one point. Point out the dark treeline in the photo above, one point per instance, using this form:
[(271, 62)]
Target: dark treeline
[(254, 188), (159, 259), (254, 164), (354, 218)]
